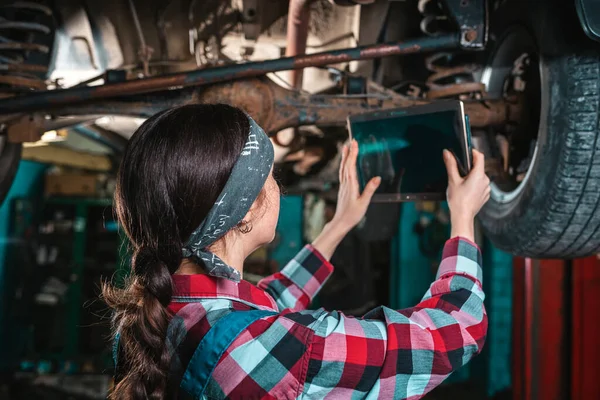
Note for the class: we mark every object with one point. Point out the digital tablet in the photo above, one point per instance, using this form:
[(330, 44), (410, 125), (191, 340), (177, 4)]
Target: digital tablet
[(405, 148)]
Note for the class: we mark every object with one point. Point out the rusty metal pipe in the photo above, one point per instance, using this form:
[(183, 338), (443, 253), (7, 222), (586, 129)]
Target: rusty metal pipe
[(276, 108), (56, 98), (297, 35), (24, 46)]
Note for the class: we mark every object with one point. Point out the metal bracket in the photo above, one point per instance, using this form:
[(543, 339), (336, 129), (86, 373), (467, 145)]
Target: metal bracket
[(355, 85), (472, 19), (27, 128), (251, 19)]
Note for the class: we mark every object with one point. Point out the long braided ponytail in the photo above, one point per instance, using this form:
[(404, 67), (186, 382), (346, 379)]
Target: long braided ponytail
[(172, 172)]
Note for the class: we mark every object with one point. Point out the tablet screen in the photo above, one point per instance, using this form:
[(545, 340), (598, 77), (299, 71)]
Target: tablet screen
[(405, 150)]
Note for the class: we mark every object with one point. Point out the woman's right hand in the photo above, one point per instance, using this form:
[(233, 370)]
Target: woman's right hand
[(466, 196)]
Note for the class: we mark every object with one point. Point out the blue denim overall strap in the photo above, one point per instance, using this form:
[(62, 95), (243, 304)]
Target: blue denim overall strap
[(212, 346), (115, 349), (210, 349)]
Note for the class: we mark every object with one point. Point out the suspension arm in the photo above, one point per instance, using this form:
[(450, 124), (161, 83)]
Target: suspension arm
[(276, 108)]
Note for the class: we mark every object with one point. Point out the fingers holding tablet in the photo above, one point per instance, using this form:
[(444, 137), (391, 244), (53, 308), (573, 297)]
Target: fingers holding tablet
[(466, 196)]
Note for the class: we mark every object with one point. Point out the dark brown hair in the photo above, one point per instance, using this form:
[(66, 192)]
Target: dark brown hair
[(172, 172)]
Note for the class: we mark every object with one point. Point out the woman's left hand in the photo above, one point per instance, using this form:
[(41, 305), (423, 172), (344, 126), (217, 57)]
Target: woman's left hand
[(351, 204)]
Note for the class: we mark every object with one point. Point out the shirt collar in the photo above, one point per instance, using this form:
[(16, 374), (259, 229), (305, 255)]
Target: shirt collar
[(190, 288)]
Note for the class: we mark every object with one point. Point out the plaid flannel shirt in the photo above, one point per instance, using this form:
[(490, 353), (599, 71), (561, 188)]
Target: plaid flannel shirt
[(320, 354)]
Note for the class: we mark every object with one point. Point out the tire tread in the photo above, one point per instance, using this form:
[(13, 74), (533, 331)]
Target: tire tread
[(575, 223)]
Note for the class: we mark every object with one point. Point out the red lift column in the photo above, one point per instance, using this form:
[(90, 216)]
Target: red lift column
[(585, 373), (556, 329)]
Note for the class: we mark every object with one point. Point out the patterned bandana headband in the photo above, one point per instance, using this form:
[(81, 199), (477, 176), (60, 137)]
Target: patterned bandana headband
[(247, 179)]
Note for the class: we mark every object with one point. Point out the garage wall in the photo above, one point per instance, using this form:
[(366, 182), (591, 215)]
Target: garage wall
[(28, 184), (289, 240)]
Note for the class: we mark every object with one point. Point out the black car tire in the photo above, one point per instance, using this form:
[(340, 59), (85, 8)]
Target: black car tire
[(556, 214)]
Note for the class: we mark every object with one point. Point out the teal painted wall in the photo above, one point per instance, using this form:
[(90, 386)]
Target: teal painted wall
[(498, 285), (289, 230), (411, 270), (28, 183)]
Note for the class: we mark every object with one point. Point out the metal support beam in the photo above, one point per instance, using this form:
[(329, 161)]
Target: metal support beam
[(276, 108), (56, 98), (297, 35)]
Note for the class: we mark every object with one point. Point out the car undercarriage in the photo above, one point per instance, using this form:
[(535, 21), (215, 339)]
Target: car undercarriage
[(528, 76)]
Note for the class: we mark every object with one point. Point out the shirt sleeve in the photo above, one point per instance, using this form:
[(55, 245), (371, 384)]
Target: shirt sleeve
[(296, 285), (404, 353)]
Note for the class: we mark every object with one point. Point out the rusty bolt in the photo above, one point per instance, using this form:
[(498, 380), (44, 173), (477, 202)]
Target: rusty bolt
[(470, 35)]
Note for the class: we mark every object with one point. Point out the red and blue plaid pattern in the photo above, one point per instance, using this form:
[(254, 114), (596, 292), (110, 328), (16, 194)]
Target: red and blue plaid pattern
[(318, 354)]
